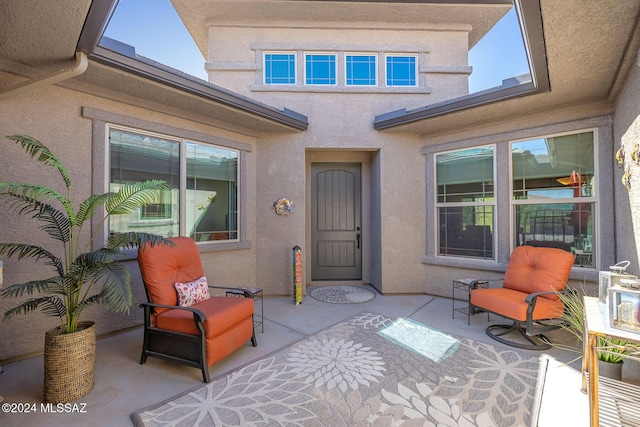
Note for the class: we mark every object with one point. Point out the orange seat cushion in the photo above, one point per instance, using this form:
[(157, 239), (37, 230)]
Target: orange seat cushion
[(535, 269), (228, 326), (511, 304), (162, 266)]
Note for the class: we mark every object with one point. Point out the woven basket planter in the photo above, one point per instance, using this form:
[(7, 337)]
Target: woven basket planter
[(69, 363)]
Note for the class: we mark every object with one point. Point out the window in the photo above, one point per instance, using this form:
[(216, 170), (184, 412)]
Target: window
[(465, 202), (361, 70), (202, 201), (279, 68), (401, 70), (553, 193), (320, 69)]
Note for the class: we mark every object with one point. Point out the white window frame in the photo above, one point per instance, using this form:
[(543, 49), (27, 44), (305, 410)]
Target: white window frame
[(594, 198), (182, 227), (438, 205), (376, 64), (304, 67), (295, 68), (415, 70)]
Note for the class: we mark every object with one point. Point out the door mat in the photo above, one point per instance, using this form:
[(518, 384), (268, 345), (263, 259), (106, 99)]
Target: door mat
[(342, 294)]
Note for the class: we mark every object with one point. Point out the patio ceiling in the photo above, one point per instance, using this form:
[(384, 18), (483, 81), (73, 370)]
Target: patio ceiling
[(590, 46)]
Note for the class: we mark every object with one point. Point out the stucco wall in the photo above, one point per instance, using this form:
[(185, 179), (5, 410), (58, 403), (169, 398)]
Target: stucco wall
[(627, 203), (54, 116)]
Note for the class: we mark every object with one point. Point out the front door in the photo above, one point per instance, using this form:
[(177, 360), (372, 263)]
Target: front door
[(336, 237)]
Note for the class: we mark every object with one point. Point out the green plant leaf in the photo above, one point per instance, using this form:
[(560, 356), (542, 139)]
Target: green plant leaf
[(51, 307), (22, 251), (34, 148), (36, 192), (132, 240), (131, 196), (88, 207), (56, 222)]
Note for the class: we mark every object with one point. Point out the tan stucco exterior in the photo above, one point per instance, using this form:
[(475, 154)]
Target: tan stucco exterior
[(397, 177)]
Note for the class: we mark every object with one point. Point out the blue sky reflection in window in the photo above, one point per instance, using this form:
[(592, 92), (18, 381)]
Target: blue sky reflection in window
[(361, 70), (401, 70), (280, 68), (320, 69)]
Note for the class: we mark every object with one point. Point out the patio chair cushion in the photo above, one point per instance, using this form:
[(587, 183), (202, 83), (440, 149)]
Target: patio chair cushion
[(162, 266), (511, 304), (228, 326), (533, 270)]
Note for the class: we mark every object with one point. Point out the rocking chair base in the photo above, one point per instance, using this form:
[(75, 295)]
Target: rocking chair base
[(537, 342)]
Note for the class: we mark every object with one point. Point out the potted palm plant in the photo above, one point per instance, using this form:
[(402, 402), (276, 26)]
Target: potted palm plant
[(83, 277), (609, 362)]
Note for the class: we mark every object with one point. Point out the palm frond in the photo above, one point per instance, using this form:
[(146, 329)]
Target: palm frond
[(51, 306), (131, 196), (134, 239), (19, 289), (88, 207), (56, 222), (35, 192), (34, 148), (116, 293), (31, 251)]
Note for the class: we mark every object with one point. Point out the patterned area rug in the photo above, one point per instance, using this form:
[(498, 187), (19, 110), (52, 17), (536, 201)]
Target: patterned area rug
[(342, 294), (368, 370)]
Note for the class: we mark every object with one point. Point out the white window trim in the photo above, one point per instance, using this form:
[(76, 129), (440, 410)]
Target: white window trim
[(376, 59), (438, 205), (295, 68), (304, 67), (592, 199), (416, 69)]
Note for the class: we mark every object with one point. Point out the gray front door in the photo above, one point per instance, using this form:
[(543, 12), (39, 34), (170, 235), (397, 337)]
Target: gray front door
[(336, 236)]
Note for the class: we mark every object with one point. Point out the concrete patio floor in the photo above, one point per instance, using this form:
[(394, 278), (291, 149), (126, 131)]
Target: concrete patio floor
[(123, 386)]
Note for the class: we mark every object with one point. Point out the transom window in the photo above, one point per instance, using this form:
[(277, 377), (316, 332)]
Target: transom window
[(465, 202), (361, 70), (202, 201), (553, 193), (280, 68), (320, 69), (401, 70)]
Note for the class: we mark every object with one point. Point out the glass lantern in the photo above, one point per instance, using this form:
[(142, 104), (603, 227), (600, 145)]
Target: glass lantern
[(624, 305)]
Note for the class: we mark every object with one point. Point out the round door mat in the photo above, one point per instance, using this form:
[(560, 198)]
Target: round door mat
[(342, 294)]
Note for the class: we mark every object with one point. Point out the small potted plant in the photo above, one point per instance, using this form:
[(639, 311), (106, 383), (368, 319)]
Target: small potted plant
[(610, 362), (82, 277)]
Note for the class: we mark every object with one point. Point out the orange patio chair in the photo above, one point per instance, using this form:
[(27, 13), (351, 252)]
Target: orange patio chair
[(184, 324), (529, 296)]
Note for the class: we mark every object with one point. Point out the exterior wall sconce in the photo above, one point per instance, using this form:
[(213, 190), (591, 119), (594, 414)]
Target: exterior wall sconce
[(283, 206)]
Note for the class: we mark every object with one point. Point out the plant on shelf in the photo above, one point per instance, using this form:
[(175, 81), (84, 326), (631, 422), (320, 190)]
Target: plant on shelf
[(614, 349), (83, 277)]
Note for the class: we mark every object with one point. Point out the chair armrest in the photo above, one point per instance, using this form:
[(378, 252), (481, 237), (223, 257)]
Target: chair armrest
[(197, 314), (245, 292), (531, 298)]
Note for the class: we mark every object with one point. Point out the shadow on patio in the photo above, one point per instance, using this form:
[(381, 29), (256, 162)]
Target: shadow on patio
[(123, 386)]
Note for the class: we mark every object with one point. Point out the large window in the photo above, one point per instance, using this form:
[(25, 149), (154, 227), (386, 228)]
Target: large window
[(401, 70), (465, 202), (553, 193), (280, 68), (361, 70), (202, 202), (320, 69)]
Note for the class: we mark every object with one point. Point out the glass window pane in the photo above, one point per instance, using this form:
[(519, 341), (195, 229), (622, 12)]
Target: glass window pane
[(280, 68), (567, 226), (137, 158), (401, 70), (361, 70), (465, 176), (211, 198), (554, 167), (466, 231), (320, 69)]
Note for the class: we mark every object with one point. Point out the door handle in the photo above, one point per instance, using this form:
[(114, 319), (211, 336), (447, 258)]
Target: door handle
[(358, 238)]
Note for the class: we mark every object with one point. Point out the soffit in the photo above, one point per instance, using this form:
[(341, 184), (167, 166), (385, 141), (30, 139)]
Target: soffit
[(590, 47), (40, 33), (478, 16)]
